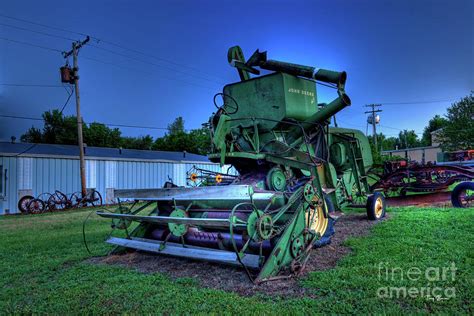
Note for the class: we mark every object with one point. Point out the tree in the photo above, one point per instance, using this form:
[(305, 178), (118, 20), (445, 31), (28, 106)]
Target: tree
[(197, 141), (177, 127), (141, 142), (436, 123), (32, 135), (458, 134), (390, 143), (60, 129), (99, 135), (408, 139)]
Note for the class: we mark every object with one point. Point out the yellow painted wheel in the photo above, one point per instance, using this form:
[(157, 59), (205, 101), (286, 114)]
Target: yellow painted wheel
[(376, 206), (315, 218)]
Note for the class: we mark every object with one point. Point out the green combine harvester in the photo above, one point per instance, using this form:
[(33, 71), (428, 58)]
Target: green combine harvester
[(295, 174)]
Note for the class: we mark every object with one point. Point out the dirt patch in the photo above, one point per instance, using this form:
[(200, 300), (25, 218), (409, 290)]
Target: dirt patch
[(226, 278)]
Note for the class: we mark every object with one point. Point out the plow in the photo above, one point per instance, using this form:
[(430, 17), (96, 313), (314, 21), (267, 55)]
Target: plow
[(296, 174)]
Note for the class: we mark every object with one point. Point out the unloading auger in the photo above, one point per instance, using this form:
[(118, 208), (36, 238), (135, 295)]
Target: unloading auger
[(295, 172)]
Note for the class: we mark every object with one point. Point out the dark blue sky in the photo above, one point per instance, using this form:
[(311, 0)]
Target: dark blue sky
[(393, 51)]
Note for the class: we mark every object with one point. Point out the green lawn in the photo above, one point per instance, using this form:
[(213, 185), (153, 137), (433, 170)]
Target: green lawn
[(42, 270)]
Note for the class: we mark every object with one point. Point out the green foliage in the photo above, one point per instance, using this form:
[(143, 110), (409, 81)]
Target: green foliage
[(141, 142), (60, 129), (197, 141), (458, 133), (99, 135), (436, 123), (44, 270), (408, 139)]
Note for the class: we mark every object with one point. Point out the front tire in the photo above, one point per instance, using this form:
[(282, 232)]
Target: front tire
[(463, 195), (326, 237), (375, 206)]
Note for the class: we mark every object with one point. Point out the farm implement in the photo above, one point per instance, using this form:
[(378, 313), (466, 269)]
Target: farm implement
[(412, 183), (296, 174)]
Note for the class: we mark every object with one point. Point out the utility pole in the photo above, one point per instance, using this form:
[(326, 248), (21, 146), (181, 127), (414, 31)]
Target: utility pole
[(372, 119), (75, 80)]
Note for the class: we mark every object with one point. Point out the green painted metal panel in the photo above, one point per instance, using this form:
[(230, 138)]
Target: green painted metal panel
[(274, 97)]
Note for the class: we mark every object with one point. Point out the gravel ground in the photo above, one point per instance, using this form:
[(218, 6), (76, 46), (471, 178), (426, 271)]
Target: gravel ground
[(232, 279)]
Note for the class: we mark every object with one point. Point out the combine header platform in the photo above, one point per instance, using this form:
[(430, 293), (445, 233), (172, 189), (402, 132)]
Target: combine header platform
[(295, 173)]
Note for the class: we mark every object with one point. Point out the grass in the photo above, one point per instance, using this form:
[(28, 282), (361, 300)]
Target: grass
[(42, 270)]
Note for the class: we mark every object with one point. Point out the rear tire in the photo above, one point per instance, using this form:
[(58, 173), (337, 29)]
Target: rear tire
[(460, 196), (375, 206)]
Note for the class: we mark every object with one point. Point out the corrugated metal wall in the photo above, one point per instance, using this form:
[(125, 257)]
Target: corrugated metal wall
[(31, 175)]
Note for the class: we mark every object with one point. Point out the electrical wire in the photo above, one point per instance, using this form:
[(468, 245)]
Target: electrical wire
[(109, 51), (107, 124), (42, 25), (417, 102), (99, 40), (67, 100), (154, 64), (148, 73), (31, 85), (26, 150), (111, 64), (30, 44), (37, 32)]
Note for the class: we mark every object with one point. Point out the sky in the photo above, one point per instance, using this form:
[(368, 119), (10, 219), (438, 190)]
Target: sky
[(152, 61)]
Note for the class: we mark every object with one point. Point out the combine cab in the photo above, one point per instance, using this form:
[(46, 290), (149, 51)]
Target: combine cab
[(295, 174)]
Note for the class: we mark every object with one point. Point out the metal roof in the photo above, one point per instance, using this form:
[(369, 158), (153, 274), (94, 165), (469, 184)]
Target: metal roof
[(71, 151)]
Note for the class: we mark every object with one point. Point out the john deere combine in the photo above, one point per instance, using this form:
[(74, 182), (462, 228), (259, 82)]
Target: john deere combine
[(295, 173)]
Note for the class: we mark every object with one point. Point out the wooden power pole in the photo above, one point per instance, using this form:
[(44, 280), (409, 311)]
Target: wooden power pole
[(373, 120), (75, 80)]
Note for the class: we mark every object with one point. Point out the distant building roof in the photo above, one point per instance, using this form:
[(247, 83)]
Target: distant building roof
[(410, 149), (71, 151)]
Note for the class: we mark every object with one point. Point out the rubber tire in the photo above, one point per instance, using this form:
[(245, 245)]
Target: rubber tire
[(326, 238), (371, 206), (457, 192), (20, 202)]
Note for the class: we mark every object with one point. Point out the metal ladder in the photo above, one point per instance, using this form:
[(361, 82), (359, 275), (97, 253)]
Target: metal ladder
[(358, 162)]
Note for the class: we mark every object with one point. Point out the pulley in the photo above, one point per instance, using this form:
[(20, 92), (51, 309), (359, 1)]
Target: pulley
[(276, 179), (178, 230), (259, 226)]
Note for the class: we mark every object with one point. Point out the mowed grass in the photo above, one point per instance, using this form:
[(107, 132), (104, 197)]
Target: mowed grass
[(43, 270)]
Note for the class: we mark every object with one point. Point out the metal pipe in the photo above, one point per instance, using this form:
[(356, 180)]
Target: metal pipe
[(332, 108), (323, 75)]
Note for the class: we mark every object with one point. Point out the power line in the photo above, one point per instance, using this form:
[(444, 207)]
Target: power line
[(153, 64), (31, 85), (26, 150), (109, 63), (417, 102), (149, 73), (30, 44), (67, 100), (99, 40), (42, 25), (107, 124), (111, 51), (395, 128), (37, 32)]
